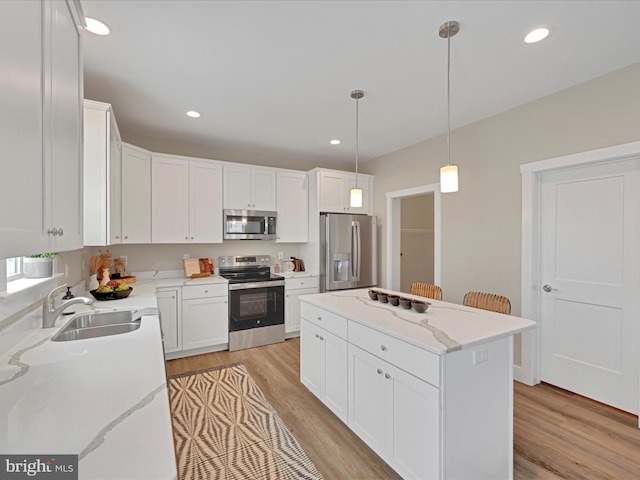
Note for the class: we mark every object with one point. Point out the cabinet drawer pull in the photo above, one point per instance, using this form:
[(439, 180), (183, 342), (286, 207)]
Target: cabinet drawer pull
[(379, 371), (319, 317), (383, 348), (387, 376)]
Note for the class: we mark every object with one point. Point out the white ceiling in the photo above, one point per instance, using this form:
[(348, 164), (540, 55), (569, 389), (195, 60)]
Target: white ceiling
[(275, 76)]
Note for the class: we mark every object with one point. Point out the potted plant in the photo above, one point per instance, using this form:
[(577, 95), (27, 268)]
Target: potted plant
[(38, 266)]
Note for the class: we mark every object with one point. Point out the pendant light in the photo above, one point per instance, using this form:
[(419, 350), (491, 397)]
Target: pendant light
[(355, 199), (449, 173)]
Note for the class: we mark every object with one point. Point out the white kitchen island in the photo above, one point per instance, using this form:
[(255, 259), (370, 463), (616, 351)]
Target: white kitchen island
[(431, 393)]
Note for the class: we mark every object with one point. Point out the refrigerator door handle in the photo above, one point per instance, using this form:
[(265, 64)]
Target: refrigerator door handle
[(355, 250)]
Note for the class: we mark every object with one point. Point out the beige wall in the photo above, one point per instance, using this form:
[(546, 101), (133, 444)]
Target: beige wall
[(481, 224)]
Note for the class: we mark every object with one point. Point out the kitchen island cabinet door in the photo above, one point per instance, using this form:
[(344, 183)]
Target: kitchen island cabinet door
[(169, 306), (312, 362), (205, 322), (396, 414)]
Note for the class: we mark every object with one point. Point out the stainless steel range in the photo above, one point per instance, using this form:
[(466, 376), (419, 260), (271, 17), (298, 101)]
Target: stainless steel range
[(256, 301)]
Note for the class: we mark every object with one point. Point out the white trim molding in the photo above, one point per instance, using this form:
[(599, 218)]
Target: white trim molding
[(529, 372)]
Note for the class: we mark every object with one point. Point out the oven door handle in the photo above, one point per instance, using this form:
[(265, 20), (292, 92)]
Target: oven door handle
[(250, 285)]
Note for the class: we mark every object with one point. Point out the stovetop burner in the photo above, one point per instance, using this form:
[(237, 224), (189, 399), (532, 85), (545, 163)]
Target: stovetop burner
[(248, 268)]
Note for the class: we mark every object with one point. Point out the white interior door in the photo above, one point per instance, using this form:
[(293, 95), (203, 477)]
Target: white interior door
[(589, 281)]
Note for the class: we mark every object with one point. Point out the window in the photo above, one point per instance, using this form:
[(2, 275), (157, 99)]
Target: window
[(14, 268)]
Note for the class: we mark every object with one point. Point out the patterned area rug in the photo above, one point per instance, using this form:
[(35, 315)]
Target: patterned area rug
[(224, 428)]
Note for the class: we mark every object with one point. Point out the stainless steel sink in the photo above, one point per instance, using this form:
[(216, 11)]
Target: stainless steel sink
[(99, 324)]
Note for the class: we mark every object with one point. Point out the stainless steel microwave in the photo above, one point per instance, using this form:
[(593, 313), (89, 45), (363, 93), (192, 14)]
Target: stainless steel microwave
[(249, 225)]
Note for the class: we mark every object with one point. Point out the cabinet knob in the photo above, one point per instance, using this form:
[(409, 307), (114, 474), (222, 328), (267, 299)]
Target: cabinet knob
[(53, 231), (126, 237), (117, 236), (60, 232), (379, 371), (206, 291), (319, 317), (191, 238), (321, 337), (383, 348), (186, 238), (387, 376)]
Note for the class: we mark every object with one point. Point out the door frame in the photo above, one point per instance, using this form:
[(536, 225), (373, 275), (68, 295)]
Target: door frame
[(529, 370), (393, 232)]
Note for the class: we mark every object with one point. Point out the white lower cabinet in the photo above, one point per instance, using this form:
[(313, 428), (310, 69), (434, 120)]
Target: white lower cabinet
[(194, 319), (169, 306), (294, 288), (323, 357), (396, 414), (205, 317)]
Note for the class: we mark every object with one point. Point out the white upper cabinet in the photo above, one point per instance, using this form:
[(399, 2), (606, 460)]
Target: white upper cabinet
[(205, 201), (292, 207), (334, 189), (102, 175), (40, 127), (186, 200), (249, 188), (136, 195)]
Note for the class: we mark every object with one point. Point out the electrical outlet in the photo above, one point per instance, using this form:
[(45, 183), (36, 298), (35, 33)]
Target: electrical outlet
[(186, 256), (480, 355)]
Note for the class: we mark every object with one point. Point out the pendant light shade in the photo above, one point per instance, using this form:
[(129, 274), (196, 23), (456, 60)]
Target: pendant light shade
[(449, 178), (355, 198), (449, 173)]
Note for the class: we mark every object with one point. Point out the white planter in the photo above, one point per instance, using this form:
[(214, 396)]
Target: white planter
[(37, 267)]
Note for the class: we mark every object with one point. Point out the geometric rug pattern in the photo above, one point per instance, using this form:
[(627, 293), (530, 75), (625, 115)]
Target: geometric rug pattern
[(225, 429)]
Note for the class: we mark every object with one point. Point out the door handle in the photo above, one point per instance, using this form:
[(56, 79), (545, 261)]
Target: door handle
[(548, 288)]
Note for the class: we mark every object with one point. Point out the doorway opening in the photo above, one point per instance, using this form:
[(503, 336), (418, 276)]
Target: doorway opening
[(413, 237)]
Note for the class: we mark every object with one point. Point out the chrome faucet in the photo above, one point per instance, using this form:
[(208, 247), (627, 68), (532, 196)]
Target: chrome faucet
[(50, 312)]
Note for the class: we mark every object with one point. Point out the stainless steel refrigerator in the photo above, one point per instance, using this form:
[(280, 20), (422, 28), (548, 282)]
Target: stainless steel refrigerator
[(348, 251)]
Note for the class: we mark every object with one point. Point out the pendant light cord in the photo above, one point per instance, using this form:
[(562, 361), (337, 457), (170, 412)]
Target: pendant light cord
[(357, 123), (448, 100)]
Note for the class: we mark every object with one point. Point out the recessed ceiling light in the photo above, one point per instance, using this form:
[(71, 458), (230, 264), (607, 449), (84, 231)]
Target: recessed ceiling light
[(193, 114), (536, 35), (96, 26), (335, 142)]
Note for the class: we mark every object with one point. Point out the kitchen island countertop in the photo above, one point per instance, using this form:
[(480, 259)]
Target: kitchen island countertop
[(443, 328)]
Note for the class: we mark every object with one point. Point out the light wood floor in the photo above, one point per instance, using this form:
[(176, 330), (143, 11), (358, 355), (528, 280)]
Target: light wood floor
[(557, 434)]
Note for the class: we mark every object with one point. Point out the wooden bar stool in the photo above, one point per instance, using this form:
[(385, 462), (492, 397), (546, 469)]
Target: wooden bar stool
[(426, 290), (488, 301)]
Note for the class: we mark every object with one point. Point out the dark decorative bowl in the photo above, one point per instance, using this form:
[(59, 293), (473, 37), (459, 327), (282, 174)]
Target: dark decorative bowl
[(373, 295), (102, 296), (382, 297), (394, 300), (419, 306), (405, 303)]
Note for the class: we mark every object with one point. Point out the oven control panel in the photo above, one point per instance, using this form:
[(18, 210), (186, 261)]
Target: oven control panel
[(245, 261)]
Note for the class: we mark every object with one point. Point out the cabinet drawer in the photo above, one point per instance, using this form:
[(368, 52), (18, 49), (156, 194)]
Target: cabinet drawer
[(418, 362), (203, 291), (329, 321), (298, 283)]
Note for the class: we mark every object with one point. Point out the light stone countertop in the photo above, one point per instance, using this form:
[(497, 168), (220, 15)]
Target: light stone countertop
[(443, 328), (104, 399)]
